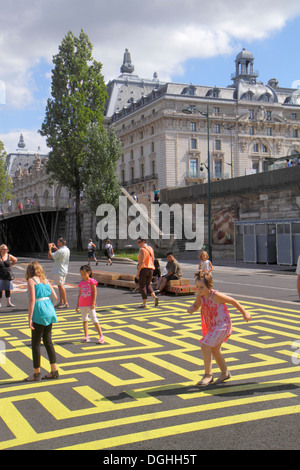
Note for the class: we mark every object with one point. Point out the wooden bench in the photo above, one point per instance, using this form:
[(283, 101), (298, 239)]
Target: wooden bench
[(115, 279), (177, 287), (180, 287)]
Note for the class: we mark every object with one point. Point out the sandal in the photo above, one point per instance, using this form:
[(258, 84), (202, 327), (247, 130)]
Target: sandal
[(223, 377), (33, 378), (204, 382), (52, 375)]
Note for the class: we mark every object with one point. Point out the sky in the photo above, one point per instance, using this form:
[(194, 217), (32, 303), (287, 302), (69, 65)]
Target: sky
[(195, 41)]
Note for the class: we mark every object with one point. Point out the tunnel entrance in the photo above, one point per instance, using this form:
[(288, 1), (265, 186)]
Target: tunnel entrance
[(31, 232)]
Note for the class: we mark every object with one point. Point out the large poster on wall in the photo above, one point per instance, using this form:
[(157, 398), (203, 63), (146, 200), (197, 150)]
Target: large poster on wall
[(223, 225)]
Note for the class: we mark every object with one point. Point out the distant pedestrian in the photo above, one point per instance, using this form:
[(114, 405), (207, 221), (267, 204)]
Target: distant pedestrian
[(87, 302), (216, 325), (91, 252), (145, 271), (41, 316), (108, 252)]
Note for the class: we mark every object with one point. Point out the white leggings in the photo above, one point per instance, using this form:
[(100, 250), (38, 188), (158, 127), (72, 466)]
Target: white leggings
[(86, 311)]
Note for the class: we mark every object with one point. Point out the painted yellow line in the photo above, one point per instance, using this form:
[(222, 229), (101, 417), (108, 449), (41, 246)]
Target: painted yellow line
[(184, 428)]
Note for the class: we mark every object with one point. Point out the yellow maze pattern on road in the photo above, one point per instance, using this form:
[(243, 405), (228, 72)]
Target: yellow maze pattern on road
[(140, 385)]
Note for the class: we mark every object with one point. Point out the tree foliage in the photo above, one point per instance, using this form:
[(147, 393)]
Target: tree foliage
[(78, 99), (103, 150), (5, 181)]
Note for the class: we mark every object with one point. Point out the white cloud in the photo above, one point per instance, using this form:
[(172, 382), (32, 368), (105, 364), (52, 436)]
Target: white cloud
[(160, 34), (34, 141)]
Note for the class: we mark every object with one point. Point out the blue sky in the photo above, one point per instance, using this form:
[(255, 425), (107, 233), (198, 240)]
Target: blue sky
[(277, 56), (191, 42)]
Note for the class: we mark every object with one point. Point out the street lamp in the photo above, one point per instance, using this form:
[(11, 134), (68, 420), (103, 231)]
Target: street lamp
[(190, 110)]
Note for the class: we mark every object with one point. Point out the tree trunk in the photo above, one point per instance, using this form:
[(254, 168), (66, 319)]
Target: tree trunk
[(78, 222)]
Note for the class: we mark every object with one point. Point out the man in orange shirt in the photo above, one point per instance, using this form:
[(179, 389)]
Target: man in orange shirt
[(145, 271)]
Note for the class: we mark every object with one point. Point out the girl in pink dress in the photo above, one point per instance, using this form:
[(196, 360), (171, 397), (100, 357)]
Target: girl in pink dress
[(87, 302), (216, 325)]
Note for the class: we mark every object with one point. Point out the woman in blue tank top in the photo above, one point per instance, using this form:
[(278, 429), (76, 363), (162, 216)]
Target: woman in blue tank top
[(41, 316)]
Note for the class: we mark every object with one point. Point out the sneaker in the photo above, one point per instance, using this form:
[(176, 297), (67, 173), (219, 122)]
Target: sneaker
[(86, 339), (156, 301), (101, 340)]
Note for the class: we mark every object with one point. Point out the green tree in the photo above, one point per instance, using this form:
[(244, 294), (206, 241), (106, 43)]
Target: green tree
[(5, 181), (78, 99), (103, 150)]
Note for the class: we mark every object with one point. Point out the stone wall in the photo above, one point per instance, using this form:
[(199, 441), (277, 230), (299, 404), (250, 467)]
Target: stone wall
[(263, 196)]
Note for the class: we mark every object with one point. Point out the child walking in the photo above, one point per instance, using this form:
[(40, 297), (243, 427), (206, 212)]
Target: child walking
[(87, 302), (204, 265), (216, 325)]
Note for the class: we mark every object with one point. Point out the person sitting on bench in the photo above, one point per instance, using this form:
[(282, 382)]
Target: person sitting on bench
[(173, 272)]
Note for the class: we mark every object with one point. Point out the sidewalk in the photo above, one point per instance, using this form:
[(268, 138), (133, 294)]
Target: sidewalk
[(284, 269)]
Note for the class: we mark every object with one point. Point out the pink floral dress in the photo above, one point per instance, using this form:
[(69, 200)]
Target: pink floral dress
[(215, 319)]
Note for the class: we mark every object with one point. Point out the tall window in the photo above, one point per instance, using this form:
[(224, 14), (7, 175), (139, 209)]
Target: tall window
[(217, 145), (193, 167), (193, 144), (218, 168)]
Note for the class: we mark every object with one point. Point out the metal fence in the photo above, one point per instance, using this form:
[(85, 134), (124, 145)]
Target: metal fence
[(268, 241), (27, 205)]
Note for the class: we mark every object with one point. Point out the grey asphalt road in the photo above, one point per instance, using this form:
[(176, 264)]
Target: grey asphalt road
[(137, 392)]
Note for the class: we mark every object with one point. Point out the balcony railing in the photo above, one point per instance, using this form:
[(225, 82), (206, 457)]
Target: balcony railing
[(28, 205)]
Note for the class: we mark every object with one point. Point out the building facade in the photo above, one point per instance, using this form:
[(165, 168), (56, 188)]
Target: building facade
[(31, 182), (250, 125)]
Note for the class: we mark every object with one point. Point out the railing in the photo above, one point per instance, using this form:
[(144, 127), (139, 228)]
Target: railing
[(28, 205)]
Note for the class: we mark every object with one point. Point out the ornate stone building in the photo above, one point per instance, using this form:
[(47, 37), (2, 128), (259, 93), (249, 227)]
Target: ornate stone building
[(250, 124), (27, 171)]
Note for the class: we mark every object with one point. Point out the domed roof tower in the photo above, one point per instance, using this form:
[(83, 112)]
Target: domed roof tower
[(244, 68)]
